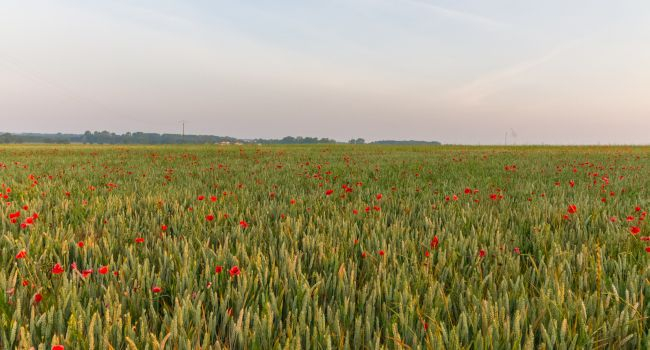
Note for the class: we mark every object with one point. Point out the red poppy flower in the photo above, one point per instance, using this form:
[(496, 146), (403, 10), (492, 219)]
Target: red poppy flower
[(517, 251), (156, 289), (637, 208), (243, 224), (80, 244), (434, 242), (25, 283), (21, 254), (329, 192), (209, 217), (200, 197), (234, 271), (468, 190), (572, 183), (355, 212), (292, 201), (57, 269), (218, 269), (139, 240), (379, 196), (481, 253), (363, 254), (163, 227), (427, 254), (86, 273), (38, 297), (647, 249), (572, 209), (103, 270), (635, 230), (381, 253), (630, 218)]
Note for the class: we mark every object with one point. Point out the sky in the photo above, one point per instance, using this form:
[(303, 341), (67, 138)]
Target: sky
[(462, 72)]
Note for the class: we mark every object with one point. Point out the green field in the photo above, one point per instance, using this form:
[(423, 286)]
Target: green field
[(342, 247)]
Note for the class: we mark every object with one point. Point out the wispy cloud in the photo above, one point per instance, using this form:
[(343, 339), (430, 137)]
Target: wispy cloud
[(458, 15), (156, 15), (490, 83)]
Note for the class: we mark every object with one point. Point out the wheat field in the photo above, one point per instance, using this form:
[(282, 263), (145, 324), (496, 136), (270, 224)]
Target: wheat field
[(324, 247)]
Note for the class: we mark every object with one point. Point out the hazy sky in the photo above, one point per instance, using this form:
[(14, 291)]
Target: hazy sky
[(454, 71)]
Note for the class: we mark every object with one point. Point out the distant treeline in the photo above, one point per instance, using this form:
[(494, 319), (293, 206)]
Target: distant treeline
[(148, 138), (105, 137), (39, 138), (290, 140), (142, 138), (405, 142)]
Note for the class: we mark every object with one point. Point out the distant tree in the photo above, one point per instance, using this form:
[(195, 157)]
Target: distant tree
[(288, 140), (87, 137)]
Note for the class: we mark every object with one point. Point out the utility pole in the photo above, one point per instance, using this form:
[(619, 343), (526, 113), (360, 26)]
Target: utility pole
[(183, 128)]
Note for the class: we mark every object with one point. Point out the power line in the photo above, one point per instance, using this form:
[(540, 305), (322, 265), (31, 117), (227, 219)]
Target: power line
[(37, 77)]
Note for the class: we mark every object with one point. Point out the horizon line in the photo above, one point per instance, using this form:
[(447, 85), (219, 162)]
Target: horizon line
[(338, 141)]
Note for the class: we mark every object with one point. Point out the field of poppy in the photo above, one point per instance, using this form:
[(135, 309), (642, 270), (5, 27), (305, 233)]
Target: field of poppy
[(337, 246)]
